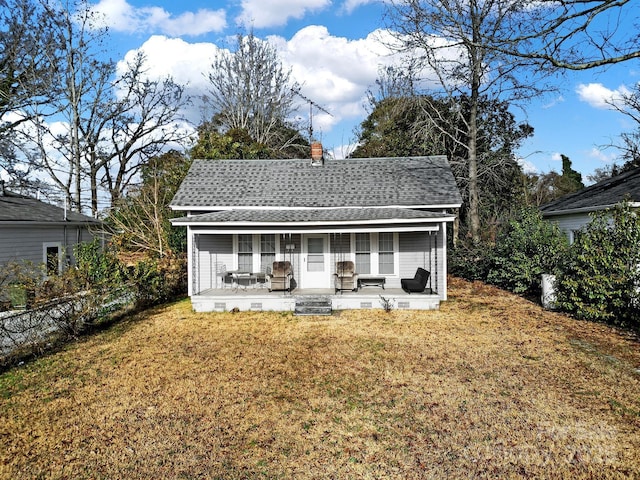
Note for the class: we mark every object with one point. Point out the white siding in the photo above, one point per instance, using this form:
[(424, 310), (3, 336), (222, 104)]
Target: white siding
[(571, 223), (420, 249), (214, 253)]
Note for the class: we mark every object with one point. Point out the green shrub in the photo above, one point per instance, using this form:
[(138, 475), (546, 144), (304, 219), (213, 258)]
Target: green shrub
[(470, 261), (98, 265), (526, 248), (160, 280), (601, 278)]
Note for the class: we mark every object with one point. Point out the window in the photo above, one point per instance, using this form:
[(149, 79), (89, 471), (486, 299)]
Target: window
[(363, 253), (375, 253), (267, 251), (385, 253), (52, 253), (245, 253)]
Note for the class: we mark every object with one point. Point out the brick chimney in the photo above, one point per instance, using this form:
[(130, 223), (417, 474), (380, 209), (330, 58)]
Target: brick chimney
[(316, 153)]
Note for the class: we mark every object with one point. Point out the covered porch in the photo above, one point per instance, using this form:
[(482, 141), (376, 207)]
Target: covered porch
[(233, 269)]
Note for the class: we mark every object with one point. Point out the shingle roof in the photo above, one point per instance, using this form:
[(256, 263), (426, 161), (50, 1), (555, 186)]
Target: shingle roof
[(18, 208), (600, 195), (425, 181), (311, 215)]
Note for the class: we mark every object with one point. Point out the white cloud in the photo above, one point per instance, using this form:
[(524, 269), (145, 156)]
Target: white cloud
[(600, 155), (275, 13), (121, 16), (186, 63), (334, 72), (599, 96), (350, 5), (527, 166)]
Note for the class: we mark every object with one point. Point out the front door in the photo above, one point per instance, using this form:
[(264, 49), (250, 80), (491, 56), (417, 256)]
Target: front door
[(315, 261)]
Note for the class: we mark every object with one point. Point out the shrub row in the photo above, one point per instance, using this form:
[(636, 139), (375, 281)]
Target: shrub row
[(97, 290), (597, 277)]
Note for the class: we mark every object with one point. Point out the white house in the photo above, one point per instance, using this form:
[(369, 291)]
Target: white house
[(572, 212), (250, 223)]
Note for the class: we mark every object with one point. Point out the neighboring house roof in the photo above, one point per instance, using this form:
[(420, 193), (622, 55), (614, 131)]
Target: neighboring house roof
[(418, 182), (600, 196), (19, 209)]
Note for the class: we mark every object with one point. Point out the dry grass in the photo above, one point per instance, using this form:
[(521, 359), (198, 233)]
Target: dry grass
[(489, 386)]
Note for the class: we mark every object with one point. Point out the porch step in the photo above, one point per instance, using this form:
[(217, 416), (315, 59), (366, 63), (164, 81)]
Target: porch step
[(313, 306)]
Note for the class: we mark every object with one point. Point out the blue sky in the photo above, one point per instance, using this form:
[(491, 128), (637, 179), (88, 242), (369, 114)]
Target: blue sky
[(333, 50)]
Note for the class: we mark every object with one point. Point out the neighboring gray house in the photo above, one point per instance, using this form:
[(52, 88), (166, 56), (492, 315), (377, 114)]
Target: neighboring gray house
[(572, 212), (316, 219), (35, 231)]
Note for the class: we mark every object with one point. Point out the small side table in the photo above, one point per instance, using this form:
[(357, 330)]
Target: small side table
[(371, 282)]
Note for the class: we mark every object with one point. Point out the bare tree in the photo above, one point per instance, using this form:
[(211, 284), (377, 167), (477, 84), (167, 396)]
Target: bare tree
[(628, 143), (100, 128), (252, 91), (503, 49), (141, 220), (143, 123), (82, 81), (456, 44), (28, 47)]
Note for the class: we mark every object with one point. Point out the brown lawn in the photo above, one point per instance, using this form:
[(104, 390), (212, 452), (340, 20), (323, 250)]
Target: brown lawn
[(489, 386)]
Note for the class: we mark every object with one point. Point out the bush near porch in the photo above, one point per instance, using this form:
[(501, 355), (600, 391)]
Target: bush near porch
[(489, 386)]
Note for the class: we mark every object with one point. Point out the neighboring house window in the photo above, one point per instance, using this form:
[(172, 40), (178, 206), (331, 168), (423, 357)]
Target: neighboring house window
[(52, 258), (245, 253), (573, 235), (385, 253), (267, 251), (363, 253)]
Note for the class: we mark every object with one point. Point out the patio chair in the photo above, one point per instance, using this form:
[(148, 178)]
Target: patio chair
[(225, 277), (345, 277), (280, 278), (416, 284), (262, 276)]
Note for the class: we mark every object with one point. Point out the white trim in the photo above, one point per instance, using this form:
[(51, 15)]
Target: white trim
[(394, 221), (255, 250), (443, 266), (220, 231), (374, 246), (190, 261)]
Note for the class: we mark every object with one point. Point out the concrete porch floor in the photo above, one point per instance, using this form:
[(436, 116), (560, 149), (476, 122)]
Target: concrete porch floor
[(260, 299)]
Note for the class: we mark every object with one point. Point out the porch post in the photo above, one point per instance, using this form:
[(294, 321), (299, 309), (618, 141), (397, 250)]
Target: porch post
[(190, 261), (443, 262)]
